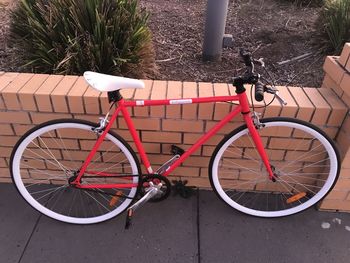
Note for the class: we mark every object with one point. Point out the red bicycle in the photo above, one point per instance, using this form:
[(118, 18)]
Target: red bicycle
[(79, 172)]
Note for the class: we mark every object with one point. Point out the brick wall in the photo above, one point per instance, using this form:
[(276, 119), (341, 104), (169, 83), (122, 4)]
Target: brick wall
[(337, 79), (29, 99)]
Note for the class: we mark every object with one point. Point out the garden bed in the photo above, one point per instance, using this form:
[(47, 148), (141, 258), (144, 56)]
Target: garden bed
[(273, 29)]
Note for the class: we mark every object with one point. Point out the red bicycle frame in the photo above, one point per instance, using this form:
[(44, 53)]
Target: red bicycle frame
[(242, 107)]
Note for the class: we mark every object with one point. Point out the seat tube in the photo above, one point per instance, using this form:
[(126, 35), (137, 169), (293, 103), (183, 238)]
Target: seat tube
[(254, 133), (135, 137)]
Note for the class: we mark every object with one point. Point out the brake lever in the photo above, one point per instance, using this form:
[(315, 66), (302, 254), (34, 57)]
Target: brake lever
[(275, 92)]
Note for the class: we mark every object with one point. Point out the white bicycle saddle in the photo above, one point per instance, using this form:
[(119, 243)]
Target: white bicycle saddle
[(104, 82)]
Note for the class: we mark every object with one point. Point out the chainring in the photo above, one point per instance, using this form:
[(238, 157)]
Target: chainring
[(156, 179)]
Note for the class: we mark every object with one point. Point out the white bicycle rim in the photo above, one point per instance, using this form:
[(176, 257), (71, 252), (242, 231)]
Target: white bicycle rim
[(75, 220), (324, 190)]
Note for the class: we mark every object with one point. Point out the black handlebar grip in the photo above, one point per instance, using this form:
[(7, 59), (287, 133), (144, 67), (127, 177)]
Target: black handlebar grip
[(259, 91)]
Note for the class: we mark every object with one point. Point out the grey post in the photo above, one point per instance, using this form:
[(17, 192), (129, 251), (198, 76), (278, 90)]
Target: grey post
[(214, 29)]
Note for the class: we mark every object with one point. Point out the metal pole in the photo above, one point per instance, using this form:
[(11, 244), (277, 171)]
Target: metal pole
[(214, 29)]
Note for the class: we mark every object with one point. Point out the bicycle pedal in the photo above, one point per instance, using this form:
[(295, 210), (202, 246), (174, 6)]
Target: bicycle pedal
[(129, 215), (176, 150)]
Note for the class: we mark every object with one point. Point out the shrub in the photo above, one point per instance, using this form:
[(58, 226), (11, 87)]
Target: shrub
[(334, 22), (72, 36), (307, 2)]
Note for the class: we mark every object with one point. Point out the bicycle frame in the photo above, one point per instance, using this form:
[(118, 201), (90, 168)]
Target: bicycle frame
[(122, 105)]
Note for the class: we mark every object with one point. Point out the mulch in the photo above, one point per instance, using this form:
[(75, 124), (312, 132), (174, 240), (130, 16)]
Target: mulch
[(275, 30)]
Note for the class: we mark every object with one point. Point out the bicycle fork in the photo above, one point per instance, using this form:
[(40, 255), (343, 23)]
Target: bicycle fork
[(253, 130)]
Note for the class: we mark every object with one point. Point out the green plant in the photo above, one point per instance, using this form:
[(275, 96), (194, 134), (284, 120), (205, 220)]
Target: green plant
[(307, 2), (334, 22), (72, 36)]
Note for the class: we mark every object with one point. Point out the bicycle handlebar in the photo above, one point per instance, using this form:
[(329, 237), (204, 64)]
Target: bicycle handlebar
[(250, 77)]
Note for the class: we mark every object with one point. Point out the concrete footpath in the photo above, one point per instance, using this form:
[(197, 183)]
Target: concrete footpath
[(199, 229)]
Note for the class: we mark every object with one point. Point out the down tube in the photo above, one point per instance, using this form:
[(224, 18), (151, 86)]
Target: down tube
[(203, 139)]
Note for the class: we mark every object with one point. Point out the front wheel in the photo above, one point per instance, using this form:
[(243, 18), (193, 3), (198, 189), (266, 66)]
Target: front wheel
[(304, 160), (48, 158)]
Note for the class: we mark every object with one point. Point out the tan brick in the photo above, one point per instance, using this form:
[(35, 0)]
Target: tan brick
[(42, 95), (3, 162), (182, 125), (343, 142), (306, 108), (191, 138), (26, 94), (167, 137), (204, 172), (43, 117), (333, 69), (7, 78), (337, 195), (345, 83), (189, 111), (344, 173), (5, 172), (332, 132), (322, 108), (9, 93), (329, 83), (174, 91), (291, 109), (5, 180), (127, 93), (221, 109), (158, 93), (14, 117), (205, 110), (339, 109), (346, 99), (329, 204), (148, 147), (92, 101), (141, 124), (346, 162), (230, 126), (75, 96), (347, 67), (105, 105), (5, 151), (59, 94), (21, 129), (208, 150), (143, 94), (197, 161), (343, 182), (6, 129), (8, 140), (344, 56)]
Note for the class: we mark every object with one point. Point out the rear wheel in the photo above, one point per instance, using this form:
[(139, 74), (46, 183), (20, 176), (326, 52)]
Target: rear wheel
[(48, 157), (304, 160)]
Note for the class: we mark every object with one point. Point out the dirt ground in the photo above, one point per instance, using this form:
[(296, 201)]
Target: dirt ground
[(275, 30)]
